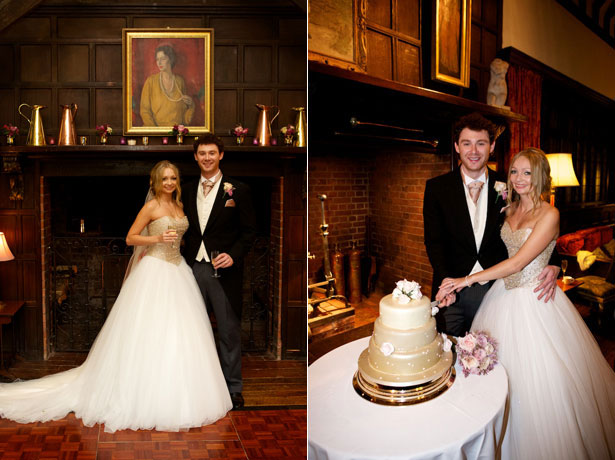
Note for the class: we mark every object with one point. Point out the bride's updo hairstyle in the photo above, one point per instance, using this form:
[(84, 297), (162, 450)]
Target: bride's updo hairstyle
[(155, 180), (541, 176)]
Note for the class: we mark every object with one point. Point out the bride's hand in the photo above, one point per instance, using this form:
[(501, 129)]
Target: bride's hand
[(169, 236)]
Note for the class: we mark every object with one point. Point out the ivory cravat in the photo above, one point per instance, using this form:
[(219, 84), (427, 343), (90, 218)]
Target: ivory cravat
[(207, 186), (474, 188)]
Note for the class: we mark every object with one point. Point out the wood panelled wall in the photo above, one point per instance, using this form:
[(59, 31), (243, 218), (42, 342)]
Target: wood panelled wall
[(73, 54)]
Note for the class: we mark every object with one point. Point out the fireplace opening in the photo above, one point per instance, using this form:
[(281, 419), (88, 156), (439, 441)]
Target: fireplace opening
[(87, 256)]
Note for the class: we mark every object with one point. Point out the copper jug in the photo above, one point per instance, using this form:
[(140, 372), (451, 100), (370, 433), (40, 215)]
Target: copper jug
[(263, 126), (67, 135), (300, 126), (36, 134)]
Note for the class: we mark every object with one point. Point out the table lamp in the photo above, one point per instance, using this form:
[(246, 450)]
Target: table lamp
[(5, 254), (562, 172)]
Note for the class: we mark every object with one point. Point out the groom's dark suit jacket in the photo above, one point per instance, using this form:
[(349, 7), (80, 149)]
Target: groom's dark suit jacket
[(449, 237), (230, 229)]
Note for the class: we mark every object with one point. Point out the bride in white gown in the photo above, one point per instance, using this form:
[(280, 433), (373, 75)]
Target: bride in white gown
[(562, 390), (154, 363)]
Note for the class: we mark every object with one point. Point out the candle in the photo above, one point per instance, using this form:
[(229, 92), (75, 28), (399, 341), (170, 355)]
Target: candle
[(132, 142), (165, 140), (123, 141), (255, 141), (52, 141), (274, 142)]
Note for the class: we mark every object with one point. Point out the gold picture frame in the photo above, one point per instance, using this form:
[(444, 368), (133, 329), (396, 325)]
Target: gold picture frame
[(337, 33), (167, 80), (450, 45)]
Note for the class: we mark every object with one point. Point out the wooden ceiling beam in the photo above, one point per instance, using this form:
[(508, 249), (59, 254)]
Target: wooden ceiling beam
[(12, 10)]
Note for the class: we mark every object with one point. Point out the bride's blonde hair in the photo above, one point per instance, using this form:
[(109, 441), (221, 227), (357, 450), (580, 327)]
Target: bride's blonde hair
[(155, 180), (541, 176)]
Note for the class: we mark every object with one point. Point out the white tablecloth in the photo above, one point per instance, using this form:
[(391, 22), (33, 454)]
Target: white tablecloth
[(465, 422)]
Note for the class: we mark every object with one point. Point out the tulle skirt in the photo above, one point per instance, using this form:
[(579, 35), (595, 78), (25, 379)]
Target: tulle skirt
[(562, 390), (153, 365)]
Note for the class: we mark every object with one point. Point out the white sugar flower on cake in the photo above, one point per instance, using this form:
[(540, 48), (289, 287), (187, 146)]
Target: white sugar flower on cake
[(407, 291), (387, 348)]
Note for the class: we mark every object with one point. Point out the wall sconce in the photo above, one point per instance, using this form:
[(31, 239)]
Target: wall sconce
[(5, 254), (562, 172)]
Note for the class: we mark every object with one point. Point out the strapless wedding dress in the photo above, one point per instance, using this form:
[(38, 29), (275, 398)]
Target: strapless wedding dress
[(153, 365), (562, 390)]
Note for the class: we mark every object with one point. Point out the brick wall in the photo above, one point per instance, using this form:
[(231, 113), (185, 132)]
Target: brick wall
[(383, 192), (345, 181), (275, 267), (396, 210)]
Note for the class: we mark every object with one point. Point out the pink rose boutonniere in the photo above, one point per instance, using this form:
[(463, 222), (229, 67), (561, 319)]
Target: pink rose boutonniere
[(476, 353), (228, 188)]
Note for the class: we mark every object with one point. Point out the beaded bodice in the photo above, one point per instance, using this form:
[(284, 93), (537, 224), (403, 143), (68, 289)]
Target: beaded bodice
[(528, 277), (167, 251)]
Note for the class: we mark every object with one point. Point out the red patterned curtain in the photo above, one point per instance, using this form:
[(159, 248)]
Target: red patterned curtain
[(524, 96)]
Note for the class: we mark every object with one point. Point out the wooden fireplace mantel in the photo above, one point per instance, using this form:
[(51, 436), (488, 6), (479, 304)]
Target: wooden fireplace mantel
[(122, 160)]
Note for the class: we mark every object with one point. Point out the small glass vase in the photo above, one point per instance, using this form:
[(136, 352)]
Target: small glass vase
[(103, 139), (10, 139), (288, 140), (180, 139), (239, 140)]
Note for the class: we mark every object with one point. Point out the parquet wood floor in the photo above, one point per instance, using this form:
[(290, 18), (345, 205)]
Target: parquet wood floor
[(272, 426)]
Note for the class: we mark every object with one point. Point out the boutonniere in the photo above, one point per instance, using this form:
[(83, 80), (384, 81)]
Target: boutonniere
[(500, 187), (228, 188)]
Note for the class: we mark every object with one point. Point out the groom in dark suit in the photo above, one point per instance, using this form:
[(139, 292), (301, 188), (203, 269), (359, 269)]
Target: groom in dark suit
[(462, 219), (221, 218)]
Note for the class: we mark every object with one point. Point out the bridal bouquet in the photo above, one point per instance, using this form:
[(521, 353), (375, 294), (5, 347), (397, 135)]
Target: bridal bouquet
[(477, 353)]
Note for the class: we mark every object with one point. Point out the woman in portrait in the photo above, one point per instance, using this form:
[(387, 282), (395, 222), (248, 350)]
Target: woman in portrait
[(164, 101), (154, 363)]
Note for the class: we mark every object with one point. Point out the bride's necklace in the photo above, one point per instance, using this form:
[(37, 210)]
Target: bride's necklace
[(164, 91)]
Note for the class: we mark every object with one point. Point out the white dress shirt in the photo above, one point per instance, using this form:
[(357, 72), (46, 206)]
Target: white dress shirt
[(204, 206)]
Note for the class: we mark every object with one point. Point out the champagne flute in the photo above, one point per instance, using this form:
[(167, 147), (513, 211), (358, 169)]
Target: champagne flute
[(173, 229), (214, 253), (564, 268)]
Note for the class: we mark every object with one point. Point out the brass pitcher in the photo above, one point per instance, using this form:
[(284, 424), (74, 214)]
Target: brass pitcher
[(263, 126), (67, 135), (300, 126), (36, 134)]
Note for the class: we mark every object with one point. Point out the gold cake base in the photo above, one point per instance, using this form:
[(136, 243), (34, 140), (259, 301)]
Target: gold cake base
[(403, 396)]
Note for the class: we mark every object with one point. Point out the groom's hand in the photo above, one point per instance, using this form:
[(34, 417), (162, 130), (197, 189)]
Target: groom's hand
[(548, 278), (223, 261)]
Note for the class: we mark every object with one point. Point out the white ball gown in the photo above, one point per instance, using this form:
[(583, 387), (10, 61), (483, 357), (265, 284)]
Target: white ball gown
[(562, 390), (153, 365)]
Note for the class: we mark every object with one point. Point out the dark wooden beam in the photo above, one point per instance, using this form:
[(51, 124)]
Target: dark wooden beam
[(12, 10)]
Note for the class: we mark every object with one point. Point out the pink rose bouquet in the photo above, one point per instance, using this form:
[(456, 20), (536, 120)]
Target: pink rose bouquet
[(104, 130), (476, 353)]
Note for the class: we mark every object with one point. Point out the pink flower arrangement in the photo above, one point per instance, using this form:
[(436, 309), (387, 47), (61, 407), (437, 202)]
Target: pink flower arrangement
[(288, 130), (104, 130), (228, 188), (179, 129), (476, 353), (10, 130), (239, 131)]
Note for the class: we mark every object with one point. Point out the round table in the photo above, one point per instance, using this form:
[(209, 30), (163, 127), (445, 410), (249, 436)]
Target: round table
[(465, 422)]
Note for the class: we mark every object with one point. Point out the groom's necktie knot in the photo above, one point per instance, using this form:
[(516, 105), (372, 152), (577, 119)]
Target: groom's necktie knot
[(207, 186), (475, 187)]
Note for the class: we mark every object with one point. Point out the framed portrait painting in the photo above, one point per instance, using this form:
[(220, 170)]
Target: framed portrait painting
[(167, 80), (336, 33), (450, 52)]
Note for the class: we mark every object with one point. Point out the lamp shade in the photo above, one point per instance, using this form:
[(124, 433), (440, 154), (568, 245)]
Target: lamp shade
[(5, 252), (562, 172)]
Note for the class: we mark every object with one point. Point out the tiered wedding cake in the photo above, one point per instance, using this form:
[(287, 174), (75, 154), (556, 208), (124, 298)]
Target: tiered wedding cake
[(405, 350)]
